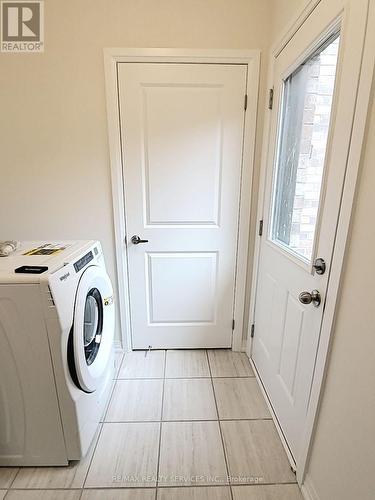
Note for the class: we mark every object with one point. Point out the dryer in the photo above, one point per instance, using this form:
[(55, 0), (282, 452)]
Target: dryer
[(56, 351)]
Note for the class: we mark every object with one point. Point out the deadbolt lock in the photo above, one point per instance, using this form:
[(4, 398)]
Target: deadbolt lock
[(319, 266)]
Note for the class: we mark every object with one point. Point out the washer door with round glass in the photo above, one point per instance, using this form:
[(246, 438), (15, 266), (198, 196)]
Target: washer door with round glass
[(93, 328)]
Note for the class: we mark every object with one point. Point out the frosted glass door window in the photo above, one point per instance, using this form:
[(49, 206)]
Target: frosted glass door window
[(306, 112)]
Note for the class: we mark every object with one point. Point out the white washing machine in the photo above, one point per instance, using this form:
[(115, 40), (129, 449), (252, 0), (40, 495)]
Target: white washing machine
[(56, 351)]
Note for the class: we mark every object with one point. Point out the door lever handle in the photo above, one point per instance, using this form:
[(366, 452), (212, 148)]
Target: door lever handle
[(308, 298), (136, 240)]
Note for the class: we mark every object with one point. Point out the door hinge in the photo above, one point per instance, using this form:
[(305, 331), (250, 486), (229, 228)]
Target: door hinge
[(233, 324), (260, 232), (245, 103), (252, 331), (270, 99)]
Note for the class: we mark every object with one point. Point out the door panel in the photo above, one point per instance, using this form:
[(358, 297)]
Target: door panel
[(192, 167), (169, 302), (315, 85), (182, 130), (290, 343)]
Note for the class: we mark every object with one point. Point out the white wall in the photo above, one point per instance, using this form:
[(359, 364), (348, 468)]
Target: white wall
[(54, 163), (342, 462), (283, 13)]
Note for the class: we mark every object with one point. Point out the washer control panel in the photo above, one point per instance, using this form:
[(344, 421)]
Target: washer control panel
[(83, 261)]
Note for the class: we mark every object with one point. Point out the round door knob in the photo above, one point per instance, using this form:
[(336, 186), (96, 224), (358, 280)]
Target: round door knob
[(308, 298)]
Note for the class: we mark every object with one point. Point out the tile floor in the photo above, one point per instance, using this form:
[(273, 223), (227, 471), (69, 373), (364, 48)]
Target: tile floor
[(180, 425)]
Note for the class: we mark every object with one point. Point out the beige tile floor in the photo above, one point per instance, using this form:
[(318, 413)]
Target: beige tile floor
[(181, 425)]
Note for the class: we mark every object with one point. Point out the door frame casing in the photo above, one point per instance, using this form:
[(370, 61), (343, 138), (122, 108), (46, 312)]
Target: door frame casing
[(250, 58), (343, 226)]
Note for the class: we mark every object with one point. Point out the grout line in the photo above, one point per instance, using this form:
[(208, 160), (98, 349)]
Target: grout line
[(41, 489), (185, 377), (12, 481), (263, 483), (233, 376), (192, 420), (160, 425), (144, 378), (132, 488), (209, 363), (108, 404), (91, 459), (119, 366), (229, 485), (36, 488), (220, 430)]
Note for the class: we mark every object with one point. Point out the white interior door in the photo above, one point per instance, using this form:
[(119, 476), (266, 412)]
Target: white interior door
[(182, 130), (315, 85)]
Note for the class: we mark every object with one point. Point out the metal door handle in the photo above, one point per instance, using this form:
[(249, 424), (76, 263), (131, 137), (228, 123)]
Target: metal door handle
[(308, 298), (136, 240)]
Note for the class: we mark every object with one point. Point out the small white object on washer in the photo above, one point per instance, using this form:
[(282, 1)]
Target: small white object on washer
[(56, 351)]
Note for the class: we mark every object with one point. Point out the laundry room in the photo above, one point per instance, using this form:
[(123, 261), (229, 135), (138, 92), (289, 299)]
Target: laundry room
[(186, 253)]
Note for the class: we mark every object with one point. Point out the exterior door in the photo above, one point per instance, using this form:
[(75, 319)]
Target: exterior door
[(182, 130), (315, 86)]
